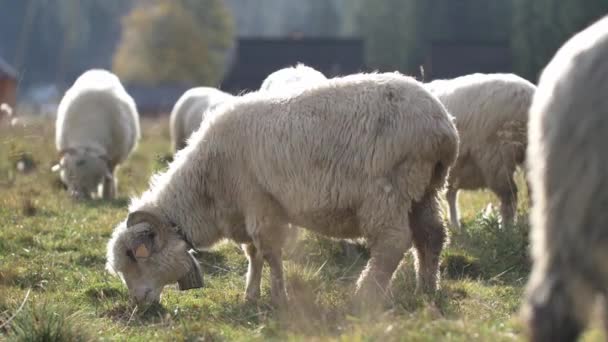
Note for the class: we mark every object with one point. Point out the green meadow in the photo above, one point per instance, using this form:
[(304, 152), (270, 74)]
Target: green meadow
[(54, 286)]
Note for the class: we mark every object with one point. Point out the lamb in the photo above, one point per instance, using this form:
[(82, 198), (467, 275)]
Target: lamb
[(568, 167), (292, 77), (189, 111), (360, 156), (97, 127), (491, 112)]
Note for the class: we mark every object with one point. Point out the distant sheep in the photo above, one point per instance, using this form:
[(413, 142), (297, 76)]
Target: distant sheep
[(348, 158), (97, 127), (568, 168), (491, 112), (189, 110), (292, 77), (6, 111)]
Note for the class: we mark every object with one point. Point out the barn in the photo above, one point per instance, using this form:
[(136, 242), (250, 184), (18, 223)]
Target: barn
[(256, 58), (8, 83)]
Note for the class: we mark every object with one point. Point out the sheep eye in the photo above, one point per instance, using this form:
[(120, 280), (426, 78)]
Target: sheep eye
[(80, 162), (131, 256)]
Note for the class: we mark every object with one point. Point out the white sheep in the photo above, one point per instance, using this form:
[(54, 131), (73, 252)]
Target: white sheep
[(348, 158), (568, 169), (96, 129), (299, 77), (491, 112), (189, 111)]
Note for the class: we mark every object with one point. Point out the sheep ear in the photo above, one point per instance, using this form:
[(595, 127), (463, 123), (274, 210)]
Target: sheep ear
[(56, 168), (141, 242), (142, 216), (194, 278)]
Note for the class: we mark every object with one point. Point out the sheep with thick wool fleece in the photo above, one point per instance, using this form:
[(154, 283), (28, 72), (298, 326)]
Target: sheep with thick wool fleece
[(293, 77), (96, 129), (359, 156), (491, 113), (189, 111), (568, 169)]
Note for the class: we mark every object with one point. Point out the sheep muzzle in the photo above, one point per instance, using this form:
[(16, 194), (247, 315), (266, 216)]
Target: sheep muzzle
[(193, 279)]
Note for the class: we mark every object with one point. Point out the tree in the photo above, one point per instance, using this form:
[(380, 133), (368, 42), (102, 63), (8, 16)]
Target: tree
[(540, 27), (175, 41)]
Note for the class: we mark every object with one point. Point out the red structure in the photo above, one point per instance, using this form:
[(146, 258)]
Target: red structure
[(8, 83)]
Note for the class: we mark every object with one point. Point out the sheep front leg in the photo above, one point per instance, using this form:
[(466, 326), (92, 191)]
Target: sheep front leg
[(278, 294), (109, 185), (452, 198), (254, 272), (429, 234), (268, 238)]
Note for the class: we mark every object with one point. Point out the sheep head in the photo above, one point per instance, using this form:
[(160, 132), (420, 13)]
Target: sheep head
[(81, 171), (149, 253)]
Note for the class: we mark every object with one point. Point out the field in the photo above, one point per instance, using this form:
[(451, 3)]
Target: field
[(54, 287)]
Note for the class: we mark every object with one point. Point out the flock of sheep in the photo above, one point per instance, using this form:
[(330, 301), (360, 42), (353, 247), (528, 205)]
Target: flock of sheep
[(360, 156)]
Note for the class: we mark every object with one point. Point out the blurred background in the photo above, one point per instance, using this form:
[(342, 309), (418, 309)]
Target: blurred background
[(160, 48)]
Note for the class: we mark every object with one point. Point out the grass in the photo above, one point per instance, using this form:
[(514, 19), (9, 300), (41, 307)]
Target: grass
[(53, 250)]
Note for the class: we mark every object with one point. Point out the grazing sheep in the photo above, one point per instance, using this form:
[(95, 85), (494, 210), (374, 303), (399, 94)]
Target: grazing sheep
[(348, 158), (292, 77), (568, 169), (491, 112), (189, 110), (97, 127)]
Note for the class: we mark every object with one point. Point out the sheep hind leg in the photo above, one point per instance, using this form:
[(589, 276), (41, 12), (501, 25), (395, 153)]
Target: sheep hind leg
[(386, 227), (452, 198), (507, 193), (254, 272), (429, 235)]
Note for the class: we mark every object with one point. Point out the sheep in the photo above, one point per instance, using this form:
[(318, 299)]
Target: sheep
[(96, 129), (189, 111), (360, 156), (567, 164), (491, 112), (299, 77)]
